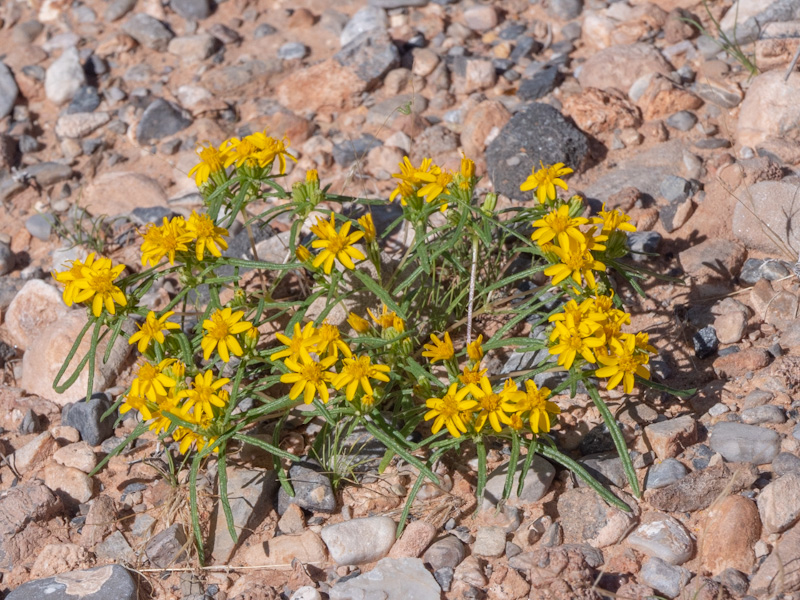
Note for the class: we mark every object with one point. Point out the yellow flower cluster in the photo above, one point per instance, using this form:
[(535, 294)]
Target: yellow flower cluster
[(312, 356), (335, 245), (220, 331), (592, 330), (468, 407), (91, 281), (430, 181), (257, 150), (160, 390), (175, 235)]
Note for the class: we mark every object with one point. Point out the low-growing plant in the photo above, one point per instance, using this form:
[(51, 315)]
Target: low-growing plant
[(383, 341)]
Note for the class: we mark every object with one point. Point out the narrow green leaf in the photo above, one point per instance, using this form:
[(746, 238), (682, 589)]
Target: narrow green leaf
[(222, 475)]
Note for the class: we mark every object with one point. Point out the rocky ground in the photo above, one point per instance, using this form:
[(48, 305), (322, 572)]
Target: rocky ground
[(101, 106)]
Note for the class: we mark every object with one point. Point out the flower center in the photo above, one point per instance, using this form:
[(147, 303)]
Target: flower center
[(204, 227), (312, 373), (102, 282), (490, 403), (359, 368), (449, 406), (470, 377), (148, 372), (628, 363), (220, 330), (557, 222), (337, 243), (211, 157)]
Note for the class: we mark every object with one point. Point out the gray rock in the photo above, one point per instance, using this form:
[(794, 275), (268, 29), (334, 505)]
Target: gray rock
[(446, 553), (78, 125), (292, 51), (117, 9), (390, 579), (605, 467), (444, 577), (538, 86), (664, 473), (85, 417), (49, 173), (489, 542), (21, 505), (264, 30), (250, 492), (768, 413), (775, 204), (152, 214), (368, 19), (779, 503), (168, 547), (7, 259), (8, 91), (705, 342), (85, 100), (370, 56), (784, 463), (587, 519), (39, 226), (348, 152), (115, 547), (674, 188), (536, 133), (663, 577), (149, 32), (566, 10), (161, 119), (537, 483), (64, 77), (193, 10), (99, 583), (312, 489), (390, 4), (646, 242), (359, 541), (194, 48), (663, 537), (737, 442), (683, 120)]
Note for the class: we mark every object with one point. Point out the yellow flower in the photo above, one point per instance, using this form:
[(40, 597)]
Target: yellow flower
[(475, 349), (576, 261), (357, 372), (167, 404), (367, 402), (240, 152), (211, 161), (152, 380), (309, 377), (331, 342), (613, 220), (493, 407), (359, 324), (270, 149), (299, 344), (97, 284), (152, 329), (335, 245), (534, 403), (435, 182), (135, 400), (206, 235), (516, 423), (312, 175), (572, 342), (302, 254), (472, 377), (557, 224), (623, 364), (387, 319), (467, 167), (368, 226), (220, 330), (545, 180), (572, 310), (410, 178), (71, 276), (167, 240), (187, 437), (643, 343), (204, 394), (447, 411), (439, 349)]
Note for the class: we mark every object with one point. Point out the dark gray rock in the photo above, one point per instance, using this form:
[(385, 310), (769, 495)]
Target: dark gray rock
[(7, 260), (264, 30), (292, 51), (368, 19), (85, 100), (111, 582), (737, 442), (8, 91), (49, 173), (675, 214), (117, 9), (312, 489), (538, 132), (524, 47), (193, 10), (734, 580), (390, 4), (647, 242), (149, 32), (370, 56), (605, 467), (444, 577), (161, 119), (447, 552), (784, 463), (541, 84), (663, 577), (664, 473), (346, 153), (566, 10), (85, 416), (168, 547), (705, 342), (674, 188), (152, 214), (683, 120), (39, 226)]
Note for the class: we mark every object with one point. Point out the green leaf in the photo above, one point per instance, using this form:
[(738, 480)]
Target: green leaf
[(512, 466), (374, 287), (222, 475), (274, 450), (198, 534), (138, 430)]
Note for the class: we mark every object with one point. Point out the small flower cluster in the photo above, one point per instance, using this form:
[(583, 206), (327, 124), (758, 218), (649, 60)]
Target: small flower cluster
[(430, 181), (470, 402), (255, 152), (91, 282), (174, 236), (312, 357)]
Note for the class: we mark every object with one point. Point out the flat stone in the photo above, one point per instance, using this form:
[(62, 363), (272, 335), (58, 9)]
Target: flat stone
[(149, 32), (670, 438), (359, 541), (663, 577), (161, 119), (664, 473), (86, 417), (110, 581), (390, 579), (663, 537), (115, 547), (737, 442), (606, 467), (281, 551), (780, 572), (698, 490), (587, 519), (537, 483), (35, 307), (769, 413), (312, 489), (767, 206), (489, 542), (168, 547), (370, 56), (446, 553), (779, 503), (730, 534)]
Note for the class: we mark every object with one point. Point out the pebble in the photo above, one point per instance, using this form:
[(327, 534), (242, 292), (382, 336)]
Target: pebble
[(39, 226), (682, 120), (72, 485), (605, 467), (86, 418), (312, 489), (768, 413), (731, 531), (110, 581), (117, 9), (737, 442), (537, 482), (348, 152), (78, 456), (161, 119), (538, 86), (64, 77), (566, 10), (664, 473), (194, 48), (663, 577), (359, 541), (149, 32), (370, 56), (306, 592), (167, 547), (676, 189), (446, 553), (8, 91), (264, 30), (779, 503), (587, 519), (193, 10), (705, 342), (292, 51), (784, 463), (671, 437), (444, 577), (390, 579), (116, 548), (85, 100), (78, 125), (663, 537), (367, 19), (481, 18), (489, 542)]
